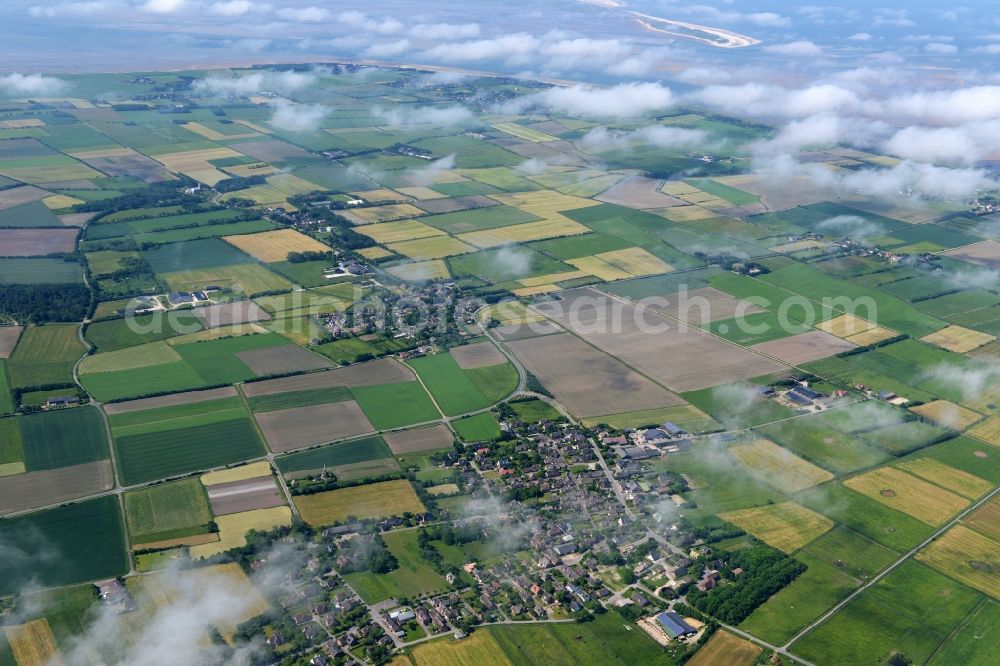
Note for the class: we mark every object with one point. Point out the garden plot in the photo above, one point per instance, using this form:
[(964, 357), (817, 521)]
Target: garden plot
[(420, 439), (227, 314), (804, 347), (36, 242), (373, 373), (587, 381), (681, 360), (477, 355), (288, 429), (639, 192), (282, 359), (8, 339)]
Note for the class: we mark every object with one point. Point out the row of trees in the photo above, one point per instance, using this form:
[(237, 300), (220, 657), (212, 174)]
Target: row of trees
[(41, 303)]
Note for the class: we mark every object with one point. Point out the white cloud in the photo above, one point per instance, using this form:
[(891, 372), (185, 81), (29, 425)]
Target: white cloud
[(759, 99), (507, 46), (798, 49), (940, 48), (906, 179), (298, 117), (255, 83), (164, 6), (311, 14), (442, 31), (388, 49), (620, 101), (946, 106), (861, 37), (600, 138), (965, 144), (237, 8), (72, 8), (31, 84), (425, 115)]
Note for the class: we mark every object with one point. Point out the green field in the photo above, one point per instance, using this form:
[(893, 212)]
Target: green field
[(167, 511), (45, 355), (874, 520), (345, 453), (39, 270), (11, 449), (275, 401), (453, 388), (496, 382), (395, 405), (63, 437), (34, 214), (175, 451), (413, 578), (6, 400), (534, 410), (192, 255), (819, 443), (609, 639), (838, 562), (70, 544), (113, 334), (718, 402), (478, 428), (976, 641), (730, 194), (913, 610)]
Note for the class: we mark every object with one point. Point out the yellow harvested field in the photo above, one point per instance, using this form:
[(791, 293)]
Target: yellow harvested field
[(241, 473), (33, 644), (195, 163), (599, 269), (786, 526), (374, 252), (685, 213), (421, 193), (443, 489), (522, 233), (988, 431), (511, 312), (797, 246), (387, 213), (537, 289), (958, 339), (635, 260), (676, 188), (107, 152), (259, 194), (376, 500), (778, 466), (551, 278), (725, 648), (526, 133), (966, 556), (234, 527), (956, 480), (544, 203), (947, 414), (381, 194), (986, 519), (22, 123), (434, 247), (479, 649), (272, 246), (152, 353), (908, 494), (845, 325), (291, 185), (12, 468), (255, 128), (871, 336), (212, 135), (248, 170), (251, 279), (60, 201), (396, 232), (420, 271), (217, 333)]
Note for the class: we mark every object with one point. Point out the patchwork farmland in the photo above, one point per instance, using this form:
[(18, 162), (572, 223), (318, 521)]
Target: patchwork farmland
[(434, 366)]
